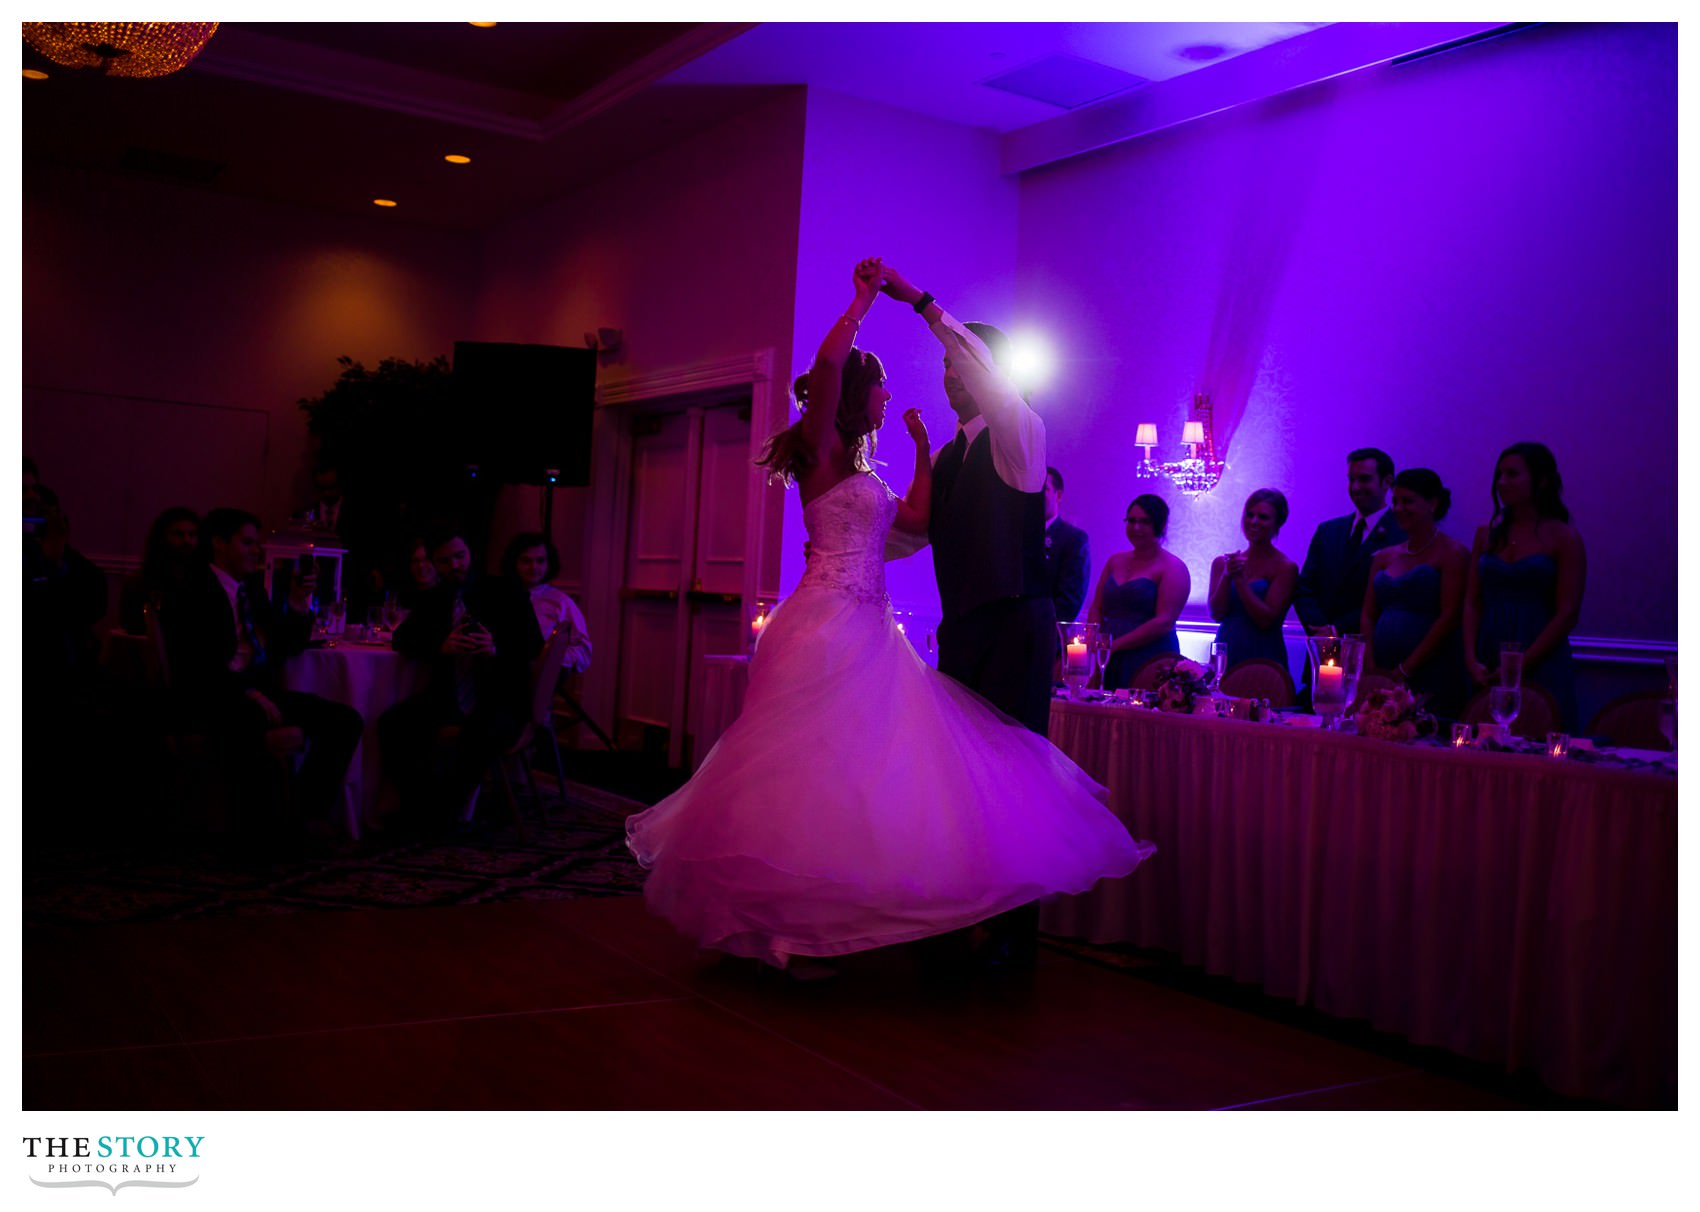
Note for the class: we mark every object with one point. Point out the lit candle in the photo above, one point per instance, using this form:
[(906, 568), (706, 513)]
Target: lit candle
[(1079, 661), (757, 623), (1330, 683)]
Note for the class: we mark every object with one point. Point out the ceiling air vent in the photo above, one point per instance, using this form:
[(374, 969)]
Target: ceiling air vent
[(1065, 81), (168, 164)]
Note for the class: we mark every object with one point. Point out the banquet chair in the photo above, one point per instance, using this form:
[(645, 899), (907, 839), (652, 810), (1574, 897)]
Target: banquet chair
[(1155, 668), (545, 677), (1539, 714), (1369, 683), (1259, 678), (1631, 721)]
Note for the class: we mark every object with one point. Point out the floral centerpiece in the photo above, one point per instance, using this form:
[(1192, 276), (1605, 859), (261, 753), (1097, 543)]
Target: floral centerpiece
[(1393, 713), (1182, 684)]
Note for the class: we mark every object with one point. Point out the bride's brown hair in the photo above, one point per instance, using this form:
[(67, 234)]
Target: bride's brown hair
[(789, 455)]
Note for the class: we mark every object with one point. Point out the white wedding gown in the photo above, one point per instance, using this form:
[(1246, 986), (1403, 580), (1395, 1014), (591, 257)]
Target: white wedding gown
[(862, 798)]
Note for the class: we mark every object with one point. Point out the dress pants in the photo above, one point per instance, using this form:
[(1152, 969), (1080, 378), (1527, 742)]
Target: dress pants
[(1004, 651), (431, 792)]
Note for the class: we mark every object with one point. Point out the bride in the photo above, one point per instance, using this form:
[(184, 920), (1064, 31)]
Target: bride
[(862, 798)]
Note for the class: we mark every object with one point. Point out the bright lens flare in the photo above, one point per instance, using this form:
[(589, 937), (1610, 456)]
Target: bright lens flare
[(1030, 360)]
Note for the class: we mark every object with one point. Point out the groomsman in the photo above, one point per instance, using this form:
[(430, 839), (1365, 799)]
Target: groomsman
[(1068, 557), (1335, 575)]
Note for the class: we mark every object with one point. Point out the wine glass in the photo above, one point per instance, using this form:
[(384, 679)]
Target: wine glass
[(1101, 656), (339, 615), (1505, 702), (390, 612), (1219, 661)]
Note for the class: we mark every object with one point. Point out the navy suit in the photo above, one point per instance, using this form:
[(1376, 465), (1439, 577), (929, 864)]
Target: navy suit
[(1068, 564), (1335, 575)]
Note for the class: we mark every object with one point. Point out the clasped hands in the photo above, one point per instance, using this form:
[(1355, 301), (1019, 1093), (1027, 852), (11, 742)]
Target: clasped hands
[(472, 639), (873, 276)]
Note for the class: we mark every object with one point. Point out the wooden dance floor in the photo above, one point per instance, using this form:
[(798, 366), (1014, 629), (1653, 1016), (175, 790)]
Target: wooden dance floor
[(592, 1004)]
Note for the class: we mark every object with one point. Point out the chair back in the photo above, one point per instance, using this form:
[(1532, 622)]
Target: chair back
[(1259, 678), (1156, 667), (1538, 716), (155, 665), (1369, 683), (1631, 721), (546, 673)]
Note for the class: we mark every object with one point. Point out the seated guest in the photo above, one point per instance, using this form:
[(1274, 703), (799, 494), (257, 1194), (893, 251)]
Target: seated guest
[(226, 643), (480, 636), (1416, 596), (1330, 594), (421, 574), (64, 596), (531, 559), (1068, 556), (1140, 594), (1250, 590), (1527, 573), (172, 549)]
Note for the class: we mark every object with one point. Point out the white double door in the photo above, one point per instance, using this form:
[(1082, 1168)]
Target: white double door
[(684, 567)]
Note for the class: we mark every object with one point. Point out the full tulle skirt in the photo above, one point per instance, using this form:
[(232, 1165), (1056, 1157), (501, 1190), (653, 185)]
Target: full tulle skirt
[(863, 799)]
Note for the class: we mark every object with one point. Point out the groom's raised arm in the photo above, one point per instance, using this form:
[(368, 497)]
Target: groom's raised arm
[(1018, 435)]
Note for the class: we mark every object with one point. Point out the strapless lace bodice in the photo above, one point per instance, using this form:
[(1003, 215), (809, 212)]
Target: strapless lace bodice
[(847, 525)]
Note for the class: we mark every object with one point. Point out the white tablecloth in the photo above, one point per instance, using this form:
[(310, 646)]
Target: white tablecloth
[(369, 678), (1520, 910)]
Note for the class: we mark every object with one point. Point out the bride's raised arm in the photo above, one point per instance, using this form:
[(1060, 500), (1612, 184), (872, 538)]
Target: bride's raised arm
[(826, 376)]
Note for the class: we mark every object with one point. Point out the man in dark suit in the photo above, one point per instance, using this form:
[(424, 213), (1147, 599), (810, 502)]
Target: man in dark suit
[(987, 530), (1068, 557), (1335, 575), (480, 635), (226, 643)]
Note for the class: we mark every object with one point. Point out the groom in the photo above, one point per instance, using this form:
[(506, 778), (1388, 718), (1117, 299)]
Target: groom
[(998, 631)]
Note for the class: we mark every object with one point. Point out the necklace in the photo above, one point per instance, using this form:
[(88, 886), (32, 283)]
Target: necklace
[(1424, 547)]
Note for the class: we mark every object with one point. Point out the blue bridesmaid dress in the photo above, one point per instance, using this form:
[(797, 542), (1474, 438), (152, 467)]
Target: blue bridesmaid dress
[(1409, 605), (1125, 607), (1519, 598), (1245, 639)]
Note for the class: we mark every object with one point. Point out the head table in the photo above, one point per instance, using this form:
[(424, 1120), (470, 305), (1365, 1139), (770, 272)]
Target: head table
[(370, 677), (1511, 908)]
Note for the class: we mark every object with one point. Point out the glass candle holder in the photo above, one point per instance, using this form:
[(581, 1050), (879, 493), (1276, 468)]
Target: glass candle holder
[(1460, 736), (1077, 640), (1558, 744)]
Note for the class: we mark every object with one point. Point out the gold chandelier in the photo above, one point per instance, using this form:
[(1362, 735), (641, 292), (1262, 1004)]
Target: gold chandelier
[(121, 48)]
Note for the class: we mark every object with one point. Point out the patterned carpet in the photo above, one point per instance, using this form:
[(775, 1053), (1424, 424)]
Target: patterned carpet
[(579, 852)]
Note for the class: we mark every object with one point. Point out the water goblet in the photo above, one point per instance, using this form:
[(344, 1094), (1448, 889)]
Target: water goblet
[(1219, 661), (1504, 702), (1511, 665), (1101, 656), (339, 615)]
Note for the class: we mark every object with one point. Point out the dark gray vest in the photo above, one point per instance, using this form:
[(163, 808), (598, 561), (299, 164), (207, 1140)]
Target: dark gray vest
[(988, 538)]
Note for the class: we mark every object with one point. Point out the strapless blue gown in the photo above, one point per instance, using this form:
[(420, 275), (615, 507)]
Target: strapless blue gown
[(1125, 608), (1519, 598), (1408, 606), (1245, 639)]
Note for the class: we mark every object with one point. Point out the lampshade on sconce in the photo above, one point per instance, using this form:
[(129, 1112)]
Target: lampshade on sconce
[(1201, 469), (121, 48)]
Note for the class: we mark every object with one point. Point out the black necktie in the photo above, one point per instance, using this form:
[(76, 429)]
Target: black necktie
[(245, 622), (1358, 533), (961, 444)]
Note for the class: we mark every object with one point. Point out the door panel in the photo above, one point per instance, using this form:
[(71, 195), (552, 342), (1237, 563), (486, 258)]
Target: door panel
[(655, 548)]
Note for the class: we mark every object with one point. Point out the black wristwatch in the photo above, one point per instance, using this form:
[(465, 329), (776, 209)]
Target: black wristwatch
[(922, 302)]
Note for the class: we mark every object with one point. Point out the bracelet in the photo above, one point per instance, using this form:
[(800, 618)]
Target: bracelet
[(852, 319), (923, 302)]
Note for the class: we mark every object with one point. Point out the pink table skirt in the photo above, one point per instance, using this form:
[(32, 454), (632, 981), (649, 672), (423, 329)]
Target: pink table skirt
[(1513, 909), (369, 678)]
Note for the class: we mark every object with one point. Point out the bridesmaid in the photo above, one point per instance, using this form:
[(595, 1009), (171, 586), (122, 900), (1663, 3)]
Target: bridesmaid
[(1526, 577), (1140, 594), (1250, 590), (1416, 596)]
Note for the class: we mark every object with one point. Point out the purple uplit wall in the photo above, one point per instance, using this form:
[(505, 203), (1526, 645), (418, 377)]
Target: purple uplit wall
[(927, 196), (1438, 259)]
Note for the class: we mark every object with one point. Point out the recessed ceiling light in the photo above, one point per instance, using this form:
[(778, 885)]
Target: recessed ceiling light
[(382, 202), (458, 159), (31, 74), (483, 24)]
